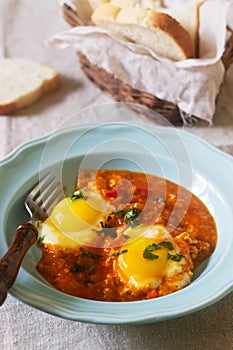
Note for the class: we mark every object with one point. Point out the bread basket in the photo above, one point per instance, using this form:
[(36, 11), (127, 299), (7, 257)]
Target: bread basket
[(122, 92)]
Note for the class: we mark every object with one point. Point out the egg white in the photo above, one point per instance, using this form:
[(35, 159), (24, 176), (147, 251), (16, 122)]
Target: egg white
[(50, 235)]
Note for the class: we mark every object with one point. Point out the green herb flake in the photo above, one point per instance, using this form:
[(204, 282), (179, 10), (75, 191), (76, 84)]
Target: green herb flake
[(130, 215), (78, 194), (167, 245), (40, 239), (77, 268), (91, 254), (111, 232), (119, 213), (175, 257), (91, 268), (88, 282), (118, 253), (106, 230), (152, 247), (149, 256), (98, 231)]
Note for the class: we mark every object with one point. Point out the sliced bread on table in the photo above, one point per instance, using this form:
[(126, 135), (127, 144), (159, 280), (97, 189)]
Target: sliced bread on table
[(23, 82), (156, 30)]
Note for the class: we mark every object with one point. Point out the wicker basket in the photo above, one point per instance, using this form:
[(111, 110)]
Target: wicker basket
[(123, 92)]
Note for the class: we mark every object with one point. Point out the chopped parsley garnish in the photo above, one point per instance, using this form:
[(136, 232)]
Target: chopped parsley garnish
[(88, 282), (155, 246), (167, 245), (78, 194), (106, 230), (83, 264), (152, 247), (77, 267), (118, 253), (130, 215), (40, 239), (91, 268), (148, 255), (98, 232), (175, 257), (91, 254)]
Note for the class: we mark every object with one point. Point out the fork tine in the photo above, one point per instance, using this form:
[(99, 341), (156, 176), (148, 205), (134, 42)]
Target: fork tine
[(52, 197), (44, 197), (45, 191), (56, 199), (35, 192)]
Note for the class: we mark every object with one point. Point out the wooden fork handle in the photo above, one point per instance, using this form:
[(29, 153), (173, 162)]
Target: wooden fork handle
[(25, 237)]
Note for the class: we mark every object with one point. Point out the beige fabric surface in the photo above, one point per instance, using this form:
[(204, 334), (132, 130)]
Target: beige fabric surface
[(24, 26)]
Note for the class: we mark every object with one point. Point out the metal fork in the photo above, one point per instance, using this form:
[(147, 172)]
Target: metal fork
[(39, 204)]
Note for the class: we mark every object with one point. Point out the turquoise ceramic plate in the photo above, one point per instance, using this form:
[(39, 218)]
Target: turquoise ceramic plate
[(176, 155)]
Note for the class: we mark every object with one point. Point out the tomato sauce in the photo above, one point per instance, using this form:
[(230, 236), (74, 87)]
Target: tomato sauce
[(88, 272)]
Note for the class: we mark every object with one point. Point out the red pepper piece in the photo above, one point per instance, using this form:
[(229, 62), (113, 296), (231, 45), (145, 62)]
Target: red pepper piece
[(152, 294), (109, 193)]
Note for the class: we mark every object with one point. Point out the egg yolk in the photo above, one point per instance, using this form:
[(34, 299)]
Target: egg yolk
[(72, 216), (133, 264)]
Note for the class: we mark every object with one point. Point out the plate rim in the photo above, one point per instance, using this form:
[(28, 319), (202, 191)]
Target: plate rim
[(116, 319)]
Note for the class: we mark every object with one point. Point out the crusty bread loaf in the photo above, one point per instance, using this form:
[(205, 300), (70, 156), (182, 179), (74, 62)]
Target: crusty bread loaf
[(22, 82), (187, 14), (158, 31)]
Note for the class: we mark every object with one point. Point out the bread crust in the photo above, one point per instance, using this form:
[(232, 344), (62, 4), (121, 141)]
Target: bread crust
[(8, 108), (173, 28), (119, 19)]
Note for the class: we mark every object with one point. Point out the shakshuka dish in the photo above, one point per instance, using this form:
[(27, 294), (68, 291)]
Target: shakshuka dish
[(125, 236)]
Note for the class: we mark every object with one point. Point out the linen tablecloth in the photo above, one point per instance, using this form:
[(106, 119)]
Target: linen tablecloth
[(24, 26)]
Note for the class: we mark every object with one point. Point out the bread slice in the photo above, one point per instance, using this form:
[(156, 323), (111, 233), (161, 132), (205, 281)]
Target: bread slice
[(187, 14), (155, 30), (23, 82)]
